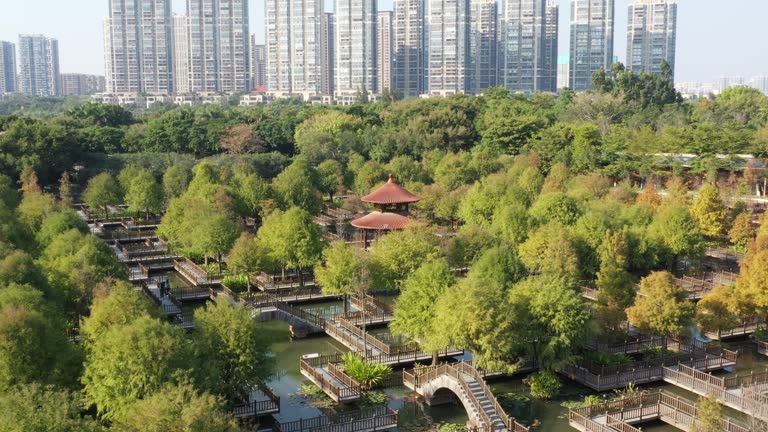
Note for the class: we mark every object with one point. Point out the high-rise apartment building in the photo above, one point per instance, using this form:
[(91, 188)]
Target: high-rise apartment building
[(651, 35), (551, 26), (75, 84), (529, 43), (258, 65), (484, 45), (39, 66), (410, 56), (138, 47), (356, 69), (219, 40), (448, 41), (384, 49), (8, 69), (180, 54), (591, 40), (563, 71), (294, 39), (328, 53)]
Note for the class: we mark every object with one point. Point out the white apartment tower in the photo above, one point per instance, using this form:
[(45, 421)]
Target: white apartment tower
[(551, 25), (484, 45), (181, 54), (448, 40), (591, 40), (39, 66), (410, 47), (258, 64), (529, 44), (219, 49), (138, 47), (356, 69), (651, 35), (8, 69), (384, 49), (294, 48), (328, 53)]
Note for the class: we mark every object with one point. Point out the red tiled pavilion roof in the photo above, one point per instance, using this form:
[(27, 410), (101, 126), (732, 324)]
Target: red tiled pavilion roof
[(390, 193), (382, 221)]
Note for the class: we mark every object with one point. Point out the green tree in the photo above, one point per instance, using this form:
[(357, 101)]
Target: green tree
[(415, 307), (33, 407), (175, 181), (248, 256), (468, 244), (613, 280), (58, 223), (296, 186), (292, 238), (177, 408), (395, 256), (34, 208), (102, 191), (742, 232), (676, 232), (709, 212), (130, 362), (550, 250), (752, 283), (340, 270), (119, 305), (253, 193), (555, 207), (66, 195), (331, 177), (75, 262), (32, 349), (709, 415), (28, 181), (718, 310), (144, 193), (661, 307), (234, 350)]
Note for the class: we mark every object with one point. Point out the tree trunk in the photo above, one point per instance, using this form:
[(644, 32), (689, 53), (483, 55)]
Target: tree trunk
[(219, 264), (206, 260), (106, 212), (346, 304), (301, 278), (434, 358)]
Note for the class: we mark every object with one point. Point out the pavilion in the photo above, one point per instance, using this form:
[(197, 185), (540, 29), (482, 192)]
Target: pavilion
[(390, 202)]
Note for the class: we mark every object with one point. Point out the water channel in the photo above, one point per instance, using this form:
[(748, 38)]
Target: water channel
[(416, 416)]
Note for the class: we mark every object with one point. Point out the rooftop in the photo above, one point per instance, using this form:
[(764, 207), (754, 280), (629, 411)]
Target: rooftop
[(390, 193)]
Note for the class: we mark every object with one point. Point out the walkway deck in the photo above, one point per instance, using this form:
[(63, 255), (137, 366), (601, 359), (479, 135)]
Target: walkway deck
[(745, 393), (602, 378), (325, 373), (367, 420), (262, 402), (467, 384), (621, 415), (762, 347), (743, 329), (194, 273)]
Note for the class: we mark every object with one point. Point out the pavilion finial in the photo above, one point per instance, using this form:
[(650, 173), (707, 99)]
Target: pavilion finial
[(391, 178)]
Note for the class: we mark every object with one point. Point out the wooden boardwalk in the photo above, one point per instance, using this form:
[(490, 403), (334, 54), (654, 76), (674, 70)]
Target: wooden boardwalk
[(746, 393), (324, 372), (744, 329), (373, 419), (262, 402), (621, 415), (468, 385), (603, 378)]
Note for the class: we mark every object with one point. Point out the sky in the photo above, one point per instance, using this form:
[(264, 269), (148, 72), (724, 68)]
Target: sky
[(713, 39)]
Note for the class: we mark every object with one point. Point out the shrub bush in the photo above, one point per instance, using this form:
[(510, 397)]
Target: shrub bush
[(544, 385)]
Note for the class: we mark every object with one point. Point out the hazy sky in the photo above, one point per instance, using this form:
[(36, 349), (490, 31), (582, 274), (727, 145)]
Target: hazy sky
[(714, 37)]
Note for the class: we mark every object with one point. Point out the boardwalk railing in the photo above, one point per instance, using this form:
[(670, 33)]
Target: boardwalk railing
[(743, 329), (377, 343), (741, 392), (257, 408), (289, 296), (644, 407), (371, 304), (194, 273), (631, 346), (377, 418), (762, 347), (342, 394), (421, 376), (274, 282)]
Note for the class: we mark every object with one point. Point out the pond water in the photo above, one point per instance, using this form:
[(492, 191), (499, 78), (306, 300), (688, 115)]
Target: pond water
[(416, 416)]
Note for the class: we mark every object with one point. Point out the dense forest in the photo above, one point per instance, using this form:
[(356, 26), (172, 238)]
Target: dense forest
[(536, 196)]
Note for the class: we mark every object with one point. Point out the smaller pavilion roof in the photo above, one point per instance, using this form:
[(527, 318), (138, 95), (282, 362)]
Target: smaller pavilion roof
[(382, 221), (390, 193)]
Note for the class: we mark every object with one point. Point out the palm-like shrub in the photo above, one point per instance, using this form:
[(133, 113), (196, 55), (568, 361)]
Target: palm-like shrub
[(368, 374)]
